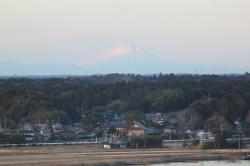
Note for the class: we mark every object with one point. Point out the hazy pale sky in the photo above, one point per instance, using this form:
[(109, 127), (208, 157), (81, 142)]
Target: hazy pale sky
[(206, 32)]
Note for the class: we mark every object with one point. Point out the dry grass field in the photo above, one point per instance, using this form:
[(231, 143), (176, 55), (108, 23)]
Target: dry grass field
[(76, 155)]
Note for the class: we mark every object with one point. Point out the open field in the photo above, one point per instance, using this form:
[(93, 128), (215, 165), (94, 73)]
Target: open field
[(92, 155)]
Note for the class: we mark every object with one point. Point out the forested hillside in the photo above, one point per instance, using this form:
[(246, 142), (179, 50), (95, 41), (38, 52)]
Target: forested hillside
[(202, 100)]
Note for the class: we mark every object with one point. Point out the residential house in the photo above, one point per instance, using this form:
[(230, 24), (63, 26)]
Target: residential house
[(44, 132), (189, 134), (169, 131), (57, 130), (29, 133), (121, 128), (116, 143), (156, 118), (136, 129), (205, 135)]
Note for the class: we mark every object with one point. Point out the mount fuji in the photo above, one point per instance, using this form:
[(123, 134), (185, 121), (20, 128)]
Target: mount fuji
[(134, 59)]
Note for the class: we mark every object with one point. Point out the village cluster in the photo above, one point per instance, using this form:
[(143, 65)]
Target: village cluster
[(118, 133)]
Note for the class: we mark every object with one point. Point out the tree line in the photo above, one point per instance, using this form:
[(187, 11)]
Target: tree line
[(206, 100)]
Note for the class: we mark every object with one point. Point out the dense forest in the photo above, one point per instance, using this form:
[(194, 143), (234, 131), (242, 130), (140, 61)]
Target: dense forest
[(204, 100)]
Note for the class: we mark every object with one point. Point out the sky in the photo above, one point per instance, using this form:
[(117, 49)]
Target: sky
[(89, 33)]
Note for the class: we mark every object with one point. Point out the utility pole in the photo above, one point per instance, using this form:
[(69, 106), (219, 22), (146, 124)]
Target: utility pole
[(201, 145), (239, 143), (238, 126), (221, 128), (5, 122)]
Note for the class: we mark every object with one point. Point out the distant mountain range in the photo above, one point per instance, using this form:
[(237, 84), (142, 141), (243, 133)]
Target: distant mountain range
[(132, 60), (38, 69)]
